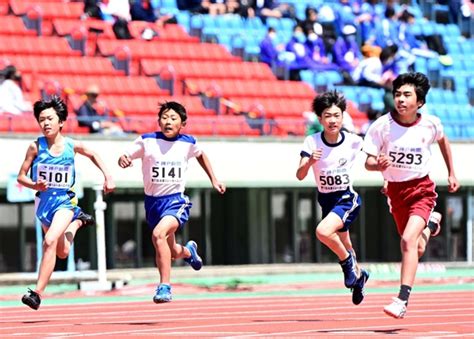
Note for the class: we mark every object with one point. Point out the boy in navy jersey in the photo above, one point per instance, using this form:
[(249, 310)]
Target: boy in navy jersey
[(399, 145), (165, 156), (51, 161), (331, 154)]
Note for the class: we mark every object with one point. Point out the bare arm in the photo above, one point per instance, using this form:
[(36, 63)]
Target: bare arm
[(306, 163), (80, 148), (206, 165), (23, 177), (377, 163), (445, 148)]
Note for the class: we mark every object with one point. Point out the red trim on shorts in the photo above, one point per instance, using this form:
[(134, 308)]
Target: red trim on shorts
[(413, 197)]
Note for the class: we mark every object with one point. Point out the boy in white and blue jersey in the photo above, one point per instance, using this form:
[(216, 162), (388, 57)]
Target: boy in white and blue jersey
[(331, 154), (50, 161), (165, 157)]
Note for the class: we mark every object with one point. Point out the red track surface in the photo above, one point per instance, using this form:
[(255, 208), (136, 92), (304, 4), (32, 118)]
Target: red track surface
[(440, 315)]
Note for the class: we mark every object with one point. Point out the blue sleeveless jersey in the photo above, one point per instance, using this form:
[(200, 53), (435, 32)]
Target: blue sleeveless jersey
[(57, 171)]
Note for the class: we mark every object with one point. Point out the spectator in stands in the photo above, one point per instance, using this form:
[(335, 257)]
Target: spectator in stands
[(297, 46), (346, 53), (88, 114), (143, 10), (11, 93), (242, 7), (118, 12), (274, 9), (411, 40), (92, 9), (325, 30), (386, 30), (317, 51), (271, 48)]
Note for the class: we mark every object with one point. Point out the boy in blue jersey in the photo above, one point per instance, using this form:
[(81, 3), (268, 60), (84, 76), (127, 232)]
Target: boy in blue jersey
[(51, 161), (331, 154), (165, 156)]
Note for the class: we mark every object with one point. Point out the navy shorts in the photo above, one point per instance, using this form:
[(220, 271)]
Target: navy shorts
[(346, 204), (48, 203), (177, 205)]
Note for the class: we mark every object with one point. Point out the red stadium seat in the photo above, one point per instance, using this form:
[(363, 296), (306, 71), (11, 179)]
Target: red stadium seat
[(35, 46), (49, 10), (12, 25)]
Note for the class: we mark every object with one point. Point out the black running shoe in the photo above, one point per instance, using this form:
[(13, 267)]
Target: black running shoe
[(31, 299), (87, 219), (358, 292)]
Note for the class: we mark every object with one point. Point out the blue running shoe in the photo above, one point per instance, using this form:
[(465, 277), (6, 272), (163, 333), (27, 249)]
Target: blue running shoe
[(163, 294), (358, 292), (349, 268), (194, 260)]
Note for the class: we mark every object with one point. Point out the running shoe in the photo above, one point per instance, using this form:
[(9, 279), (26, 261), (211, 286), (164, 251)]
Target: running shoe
[(31, 299), (194, 260), (349, 268), (358, 292), (435, 220), (396, 309), (163, 294), (87, 219)]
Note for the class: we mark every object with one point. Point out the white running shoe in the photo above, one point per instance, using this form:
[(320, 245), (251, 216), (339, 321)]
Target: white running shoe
[(435, 218), (396, 309)]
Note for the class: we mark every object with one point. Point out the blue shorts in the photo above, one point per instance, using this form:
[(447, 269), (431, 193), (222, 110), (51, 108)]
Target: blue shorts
[(48, 203), (346, 204), (177, 205)]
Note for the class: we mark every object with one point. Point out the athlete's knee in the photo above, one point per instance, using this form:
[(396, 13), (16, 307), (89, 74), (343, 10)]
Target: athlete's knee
[(159, 238), (407, 244), (49, 242), (322, 232)]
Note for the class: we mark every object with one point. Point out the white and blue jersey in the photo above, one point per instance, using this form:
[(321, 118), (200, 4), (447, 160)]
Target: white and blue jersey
[(333, 174), (164, 166), (59, 173)]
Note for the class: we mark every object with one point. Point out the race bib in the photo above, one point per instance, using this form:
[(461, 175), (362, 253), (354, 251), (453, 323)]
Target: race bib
[(57, 176), (334, 180), (166, 172), (407, 158)]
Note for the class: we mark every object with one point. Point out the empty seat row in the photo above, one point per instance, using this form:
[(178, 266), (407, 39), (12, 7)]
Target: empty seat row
[(184, 69)]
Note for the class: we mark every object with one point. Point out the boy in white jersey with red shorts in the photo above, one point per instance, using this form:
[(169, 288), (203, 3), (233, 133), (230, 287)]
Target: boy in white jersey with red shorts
[(399, 145), (165, 156), (331, 154)]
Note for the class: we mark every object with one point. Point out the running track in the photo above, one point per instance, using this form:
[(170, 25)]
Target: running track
[(430, 314)]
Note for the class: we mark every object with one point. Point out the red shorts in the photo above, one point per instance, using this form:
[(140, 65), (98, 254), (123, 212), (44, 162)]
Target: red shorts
[(413, 197)]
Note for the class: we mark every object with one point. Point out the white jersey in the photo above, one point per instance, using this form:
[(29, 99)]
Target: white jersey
[(333, 171), (408, 146), (164, 161)]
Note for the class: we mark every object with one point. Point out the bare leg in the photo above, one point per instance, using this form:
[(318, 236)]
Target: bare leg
[(61, 220), (328, 235), (166, 227), (65, 242), (409, 247), (178, 251)]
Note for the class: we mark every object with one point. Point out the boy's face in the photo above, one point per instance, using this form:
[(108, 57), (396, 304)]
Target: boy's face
[(49, 122), (331, 120), (406, 102), (170, 123)]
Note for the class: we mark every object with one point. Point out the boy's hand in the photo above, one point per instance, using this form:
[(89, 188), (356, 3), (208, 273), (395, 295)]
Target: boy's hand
[(109, 185), (124, 161), (453, 184), (41, 185), (315, 156), (219, 186), (383, 162)]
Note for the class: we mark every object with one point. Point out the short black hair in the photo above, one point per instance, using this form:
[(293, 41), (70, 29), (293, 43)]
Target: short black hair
[(326, 100), (418, 80), (55, 102), (175, 106)]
